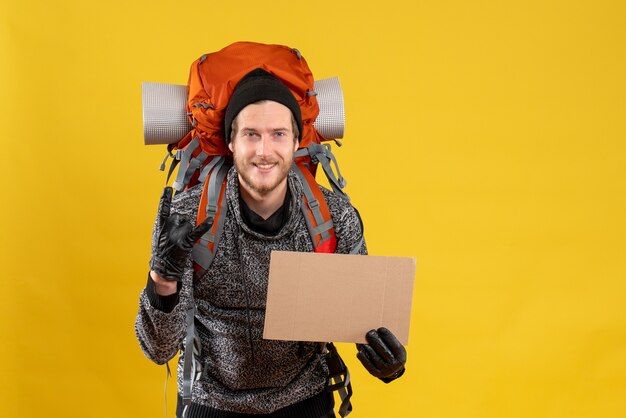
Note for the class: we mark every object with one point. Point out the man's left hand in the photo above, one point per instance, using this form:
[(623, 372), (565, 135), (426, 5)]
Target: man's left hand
[(383, 356)]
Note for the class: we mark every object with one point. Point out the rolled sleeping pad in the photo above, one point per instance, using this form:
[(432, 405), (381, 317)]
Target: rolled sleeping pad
[(165, 118)]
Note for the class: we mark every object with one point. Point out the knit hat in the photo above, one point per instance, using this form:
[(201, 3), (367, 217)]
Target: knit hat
[(255, 86)]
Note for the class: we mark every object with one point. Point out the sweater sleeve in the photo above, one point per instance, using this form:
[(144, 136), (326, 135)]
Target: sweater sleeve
[(349, 231), (160, 322), (160, 333)]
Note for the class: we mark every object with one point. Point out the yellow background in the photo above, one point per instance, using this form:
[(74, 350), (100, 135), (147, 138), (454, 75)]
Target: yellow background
[(486, 138)]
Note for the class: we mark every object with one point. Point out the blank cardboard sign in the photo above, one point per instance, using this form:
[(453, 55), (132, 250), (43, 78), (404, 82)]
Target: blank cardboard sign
[(337, 297)]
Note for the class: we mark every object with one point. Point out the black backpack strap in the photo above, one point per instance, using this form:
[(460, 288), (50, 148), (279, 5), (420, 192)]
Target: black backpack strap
[(339, 379)]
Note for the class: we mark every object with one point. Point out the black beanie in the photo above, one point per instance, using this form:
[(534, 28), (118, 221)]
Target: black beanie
[(255, 86)]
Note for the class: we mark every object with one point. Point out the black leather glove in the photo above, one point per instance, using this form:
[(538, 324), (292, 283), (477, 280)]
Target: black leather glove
[(175, 239), (384, 357)]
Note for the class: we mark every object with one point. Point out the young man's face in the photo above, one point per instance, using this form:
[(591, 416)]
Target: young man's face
[(263, 146)]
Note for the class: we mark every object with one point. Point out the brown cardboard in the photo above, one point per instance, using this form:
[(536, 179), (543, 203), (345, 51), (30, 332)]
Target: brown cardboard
[(337, 297)]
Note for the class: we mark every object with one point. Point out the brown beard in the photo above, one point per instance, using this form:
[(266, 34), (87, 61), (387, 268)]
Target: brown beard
[(241, 166)]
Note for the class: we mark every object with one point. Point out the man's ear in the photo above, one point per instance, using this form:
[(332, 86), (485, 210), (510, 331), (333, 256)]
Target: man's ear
[(230, 145), (296, 144)]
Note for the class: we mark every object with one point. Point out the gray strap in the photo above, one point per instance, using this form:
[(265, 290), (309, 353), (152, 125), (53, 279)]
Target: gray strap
[(320, 229), (192, 367), (207, 168), (215, 185), (175, 160), (193, 166), (314, 206), (222, 218), (162, 166), (168, 374), (321, 153), (204, 105), (302, 152), (184, 164), (200, 252), (190, 332), (339, 379), (341, 181), (324, 156)]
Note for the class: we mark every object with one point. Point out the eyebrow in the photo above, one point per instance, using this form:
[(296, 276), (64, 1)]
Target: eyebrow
[(285, 129)]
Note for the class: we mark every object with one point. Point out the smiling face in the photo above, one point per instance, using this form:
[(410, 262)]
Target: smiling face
[(263, 144)]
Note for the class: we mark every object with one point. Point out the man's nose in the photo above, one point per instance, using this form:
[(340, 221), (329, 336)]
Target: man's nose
[(263, 147)]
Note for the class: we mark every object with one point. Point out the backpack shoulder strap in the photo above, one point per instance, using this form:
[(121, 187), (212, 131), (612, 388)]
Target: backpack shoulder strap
[(338, 379), (316, 212), (322, 154), (321, 229), (192, 366), (213, 207)]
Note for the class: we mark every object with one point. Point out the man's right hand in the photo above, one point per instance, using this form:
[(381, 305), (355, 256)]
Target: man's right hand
[(175, 239)]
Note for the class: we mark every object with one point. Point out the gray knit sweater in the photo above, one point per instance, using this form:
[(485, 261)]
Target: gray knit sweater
[(242, 372)]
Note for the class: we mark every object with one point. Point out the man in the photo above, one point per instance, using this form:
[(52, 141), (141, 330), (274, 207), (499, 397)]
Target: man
[(244, 374)]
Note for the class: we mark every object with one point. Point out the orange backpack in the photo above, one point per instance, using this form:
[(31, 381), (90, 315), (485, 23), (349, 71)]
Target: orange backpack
[(204, 157)]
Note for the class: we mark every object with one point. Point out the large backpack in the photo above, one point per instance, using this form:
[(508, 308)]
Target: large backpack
[(202, 157), (205, 158)]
